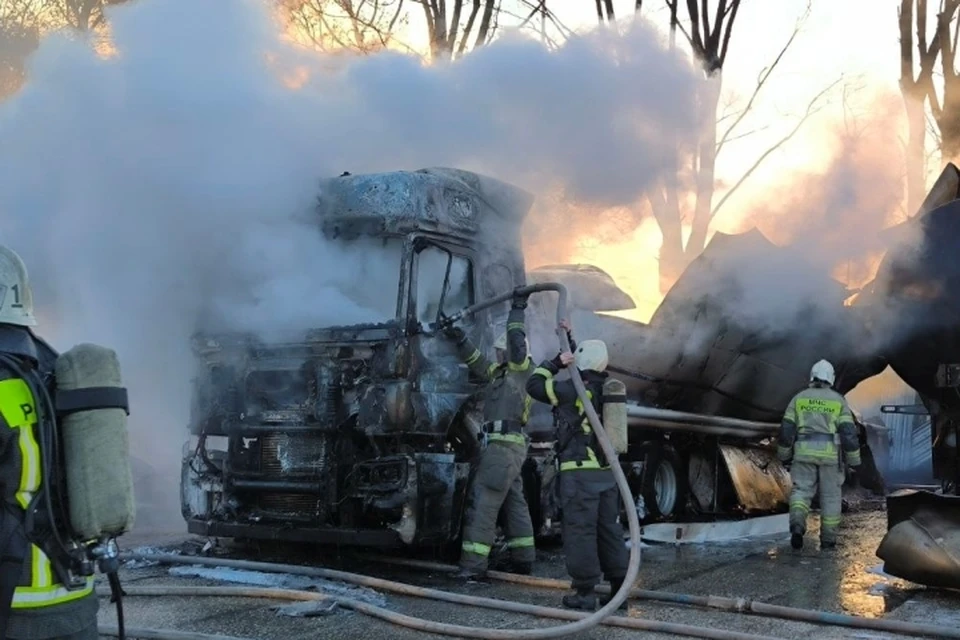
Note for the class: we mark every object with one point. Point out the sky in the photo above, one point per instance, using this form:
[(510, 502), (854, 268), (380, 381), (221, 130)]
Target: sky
[(854, 39)]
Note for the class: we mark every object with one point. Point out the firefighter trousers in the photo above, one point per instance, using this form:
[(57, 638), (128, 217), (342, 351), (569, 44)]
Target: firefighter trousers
[(13, 551), (807, 479), (497, 485), (592, 534)]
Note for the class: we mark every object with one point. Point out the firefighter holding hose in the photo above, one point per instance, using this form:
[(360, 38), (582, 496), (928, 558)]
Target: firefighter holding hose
[(497, 483), (592, 533), (35, 604), (817, 428)]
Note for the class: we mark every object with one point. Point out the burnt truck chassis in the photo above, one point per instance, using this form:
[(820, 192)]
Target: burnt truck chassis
[(306, 453), (307, 471)]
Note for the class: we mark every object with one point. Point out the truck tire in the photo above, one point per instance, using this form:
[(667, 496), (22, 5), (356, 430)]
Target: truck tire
[(664, 484)]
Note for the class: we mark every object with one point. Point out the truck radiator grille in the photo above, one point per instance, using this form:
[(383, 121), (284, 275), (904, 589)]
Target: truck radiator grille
[(290, 503), (296, 457), (285, 455)]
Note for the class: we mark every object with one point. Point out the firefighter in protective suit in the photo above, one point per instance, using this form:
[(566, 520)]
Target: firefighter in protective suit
[(497, 483), (817, 429), (39, 605), (592, 533)]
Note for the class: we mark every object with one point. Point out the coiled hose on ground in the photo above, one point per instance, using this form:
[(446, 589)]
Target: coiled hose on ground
[(732, 605), (400, 588)]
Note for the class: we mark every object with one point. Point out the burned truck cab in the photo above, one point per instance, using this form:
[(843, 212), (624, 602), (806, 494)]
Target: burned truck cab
[(360, 434)]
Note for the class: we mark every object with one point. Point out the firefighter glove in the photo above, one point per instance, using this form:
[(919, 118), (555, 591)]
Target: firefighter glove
[(456, 334), (519, 302)]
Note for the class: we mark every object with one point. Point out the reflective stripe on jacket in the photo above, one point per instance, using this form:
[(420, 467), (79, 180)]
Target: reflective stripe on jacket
[(505, 396), (577, 444), (39, 586), (816, 426), (22, 475), (21, 452)]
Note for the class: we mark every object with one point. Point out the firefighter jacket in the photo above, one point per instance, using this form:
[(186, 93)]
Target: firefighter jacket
[(21, 472), (506, 405), (577, 445), (816, 427)]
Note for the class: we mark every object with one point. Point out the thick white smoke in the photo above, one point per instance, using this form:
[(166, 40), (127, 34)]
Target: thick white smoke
[(175, 181)]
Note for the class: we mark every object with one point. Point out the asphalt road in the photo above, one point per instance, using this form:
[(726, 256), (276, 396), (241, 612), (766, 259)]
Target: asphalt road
[(845, 580)]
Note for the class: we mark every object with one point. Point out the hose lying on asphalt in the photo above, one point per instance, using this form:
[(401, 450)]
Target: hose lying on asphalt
[(113, 631), (737, 605), (429, 626)]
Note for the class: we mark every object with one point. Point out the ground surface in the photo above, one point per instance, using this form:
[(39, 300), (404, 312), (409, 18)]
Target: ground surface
[(844, 581)]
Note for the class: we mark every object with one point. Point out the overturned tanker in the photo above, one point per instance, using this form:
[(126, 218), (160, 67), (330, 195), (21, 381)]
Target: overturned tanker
[(708, 382), (364, 434), (913, 300)]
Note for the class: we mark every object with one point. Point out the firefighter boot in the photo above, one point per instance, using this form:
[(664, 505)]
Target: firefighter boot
[(584, 599), (471, 575), (796, 538), (522, 568), (614, 587)]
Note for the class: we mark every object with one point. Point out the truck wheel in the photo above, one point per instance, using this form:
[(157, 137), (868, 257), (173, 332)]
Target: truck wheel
[(664, 484)]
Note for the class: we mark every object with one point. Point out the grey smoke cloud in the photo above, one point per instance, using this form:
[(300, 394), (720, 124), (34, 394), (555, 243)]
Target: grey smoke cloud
[(175, 181)]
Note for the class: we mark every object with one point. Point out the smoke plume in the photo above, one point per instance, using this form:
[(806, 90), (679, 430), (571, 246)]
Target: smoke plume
[(827, 226), (174, 181)]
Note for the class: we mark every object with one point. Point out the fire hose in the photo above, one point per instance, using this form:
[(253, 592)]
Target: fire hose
[(400, 588), (721, 603), (633, 567)]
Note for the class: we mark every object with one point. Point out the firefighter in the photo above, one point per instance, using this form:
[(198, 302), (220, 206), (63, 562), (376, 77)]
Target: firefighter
[(589, 498), (817, 428), (35, 604), (497, 483)]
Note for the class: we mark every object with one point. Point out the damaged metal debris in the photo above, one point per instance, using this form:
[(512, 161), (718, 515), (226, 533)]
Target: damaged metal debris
[(364, 434)]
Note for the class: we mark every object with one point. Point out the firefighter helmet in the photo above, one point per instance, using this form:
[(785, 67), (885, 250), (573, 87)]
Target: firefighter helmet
[(16, 299), (822, 371), (591, 355)]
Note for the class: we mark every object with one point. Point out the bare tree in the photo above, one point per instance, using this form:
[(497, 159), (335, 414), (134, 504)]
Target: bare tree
[(366, 26), (535, 14), (19, 36), (81, 15), (708, 35), (605, 11), (945, 104), (455, 28), (912, 15)]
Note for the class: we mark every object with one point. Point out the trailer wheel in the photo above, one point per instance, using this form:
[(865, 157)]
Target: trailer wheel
[(664, 483)]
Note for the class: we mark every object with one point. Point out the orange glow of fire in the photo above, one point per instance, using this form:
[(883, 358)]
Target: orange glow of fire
[(632, 262)]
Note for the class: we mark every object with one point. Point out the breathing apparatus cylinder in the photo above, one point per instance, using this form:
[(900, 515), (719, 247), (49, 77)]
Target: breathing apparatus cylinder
[(92, 408), (615, 413)]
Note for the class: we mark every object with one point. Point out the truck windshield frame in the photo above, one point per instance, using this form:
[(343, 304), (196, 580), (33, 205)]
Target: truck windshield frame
[(443, 278)]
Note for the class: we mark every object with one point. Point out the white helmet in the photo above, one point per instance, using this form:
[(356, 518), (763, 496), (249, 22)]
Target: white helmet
[(16, 299), (592, 355), (501, 343), (822, 371)]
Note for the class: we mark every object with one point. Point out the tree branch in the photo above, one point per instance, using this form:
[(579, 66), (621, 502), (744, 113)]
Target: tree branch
[(812, 108), (468, 29), (763, 77), (730, 22)]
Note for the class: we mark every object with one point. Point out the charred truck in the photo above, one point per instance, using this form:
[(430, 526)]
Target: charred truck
[(363, 434), (360, 434)]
